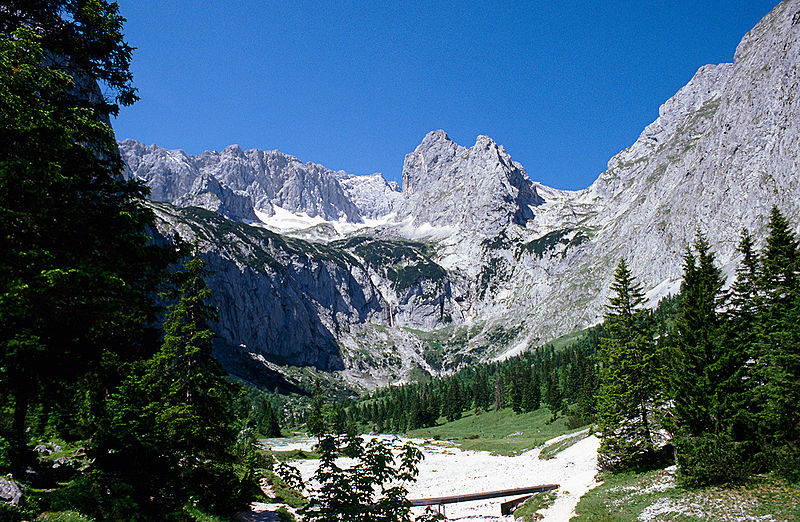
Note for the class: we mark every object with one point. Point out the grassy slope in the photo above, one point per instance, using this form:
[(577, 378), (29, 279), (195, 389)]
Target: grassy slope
[(490, 431), (656, 496)]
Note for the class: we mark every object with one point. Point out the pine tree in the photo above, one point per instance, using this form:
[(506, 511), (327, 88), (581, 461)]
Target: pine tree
[(627, 378), (779, 345), (172, 431)]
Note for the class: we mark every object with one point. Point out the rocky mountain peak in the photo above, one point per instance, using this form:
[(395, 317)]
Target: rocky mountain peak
[(478, 188)]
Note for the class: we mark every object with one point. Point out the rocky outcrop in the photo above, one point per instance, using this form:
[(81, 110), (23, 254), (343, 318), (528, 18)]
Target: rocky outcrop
[(478, 189), (291, 301), (236, 183)]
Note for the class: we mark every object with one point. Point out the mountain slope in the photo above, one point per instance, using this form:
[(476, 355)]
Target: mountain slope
[(472, 259)]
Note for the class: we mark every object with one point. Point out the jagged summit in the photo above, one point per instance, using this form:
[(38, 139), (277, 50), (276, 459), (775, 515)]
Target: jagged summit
[(480, 189), (444, 184)]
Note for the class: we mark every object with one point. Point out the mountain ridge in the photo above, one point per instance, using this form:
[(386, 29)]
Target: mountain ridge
[(504, 262)]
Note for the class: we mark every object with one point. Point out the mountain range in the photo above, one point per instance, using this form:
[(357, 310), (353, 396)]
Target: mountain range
[(472, 259)]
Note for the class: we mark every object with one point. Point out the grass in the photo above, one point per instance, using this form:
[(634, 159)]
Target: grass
[(500, 432), (654, 495), (64, 516), (283, 492), (551, 450), (198, 515), (529, 510), (285, 516), (295, 454)]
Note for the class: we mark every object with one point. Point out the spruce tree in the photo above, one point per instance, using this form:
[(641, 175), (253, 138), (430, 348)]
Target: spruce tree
[(552, 393), (315, 421), (77, 275), (628, 388), (741, 401), (172, 431), (779, 345), (704, 376)]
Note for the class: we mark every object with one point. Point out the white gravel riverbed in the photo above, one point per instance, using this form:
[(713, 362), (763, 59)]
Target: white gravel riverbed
[(448, 470)]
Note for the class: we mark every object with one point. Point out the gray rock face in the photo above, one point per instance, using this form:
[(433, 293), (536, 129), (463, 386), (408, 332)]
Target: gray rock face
[(477, 189), (373, 195), (235, 183), (291, 301), (175, 177), (724, 150)]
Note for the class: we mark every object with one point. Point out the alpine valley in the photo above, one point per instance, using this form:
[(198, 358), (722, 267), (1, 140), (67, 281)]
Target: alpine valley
[(472, 259)]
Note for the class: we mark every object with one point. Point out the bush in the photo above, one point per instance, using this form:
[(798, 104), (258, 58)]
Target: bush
[(710, 459)]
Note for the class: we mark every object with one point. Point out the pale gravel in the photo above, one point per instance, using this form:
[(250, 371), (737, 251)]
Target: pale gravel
[(448, 470)]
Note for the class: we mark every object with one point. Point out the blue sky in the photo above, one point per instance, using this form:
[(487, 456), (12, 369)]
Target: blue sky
[(356, 86)]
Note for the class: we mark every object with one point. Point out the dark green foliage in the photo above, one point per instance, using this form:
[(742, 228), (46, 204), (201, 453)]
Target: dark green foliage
[(553, 397), (315, 422), (404, 263), (516, 382), (628, 384), (709, 458), (76, 272), (266, 419), (171, 430), (778, 350), (706, 378), (548, 242), (531, 393), (454, 403)]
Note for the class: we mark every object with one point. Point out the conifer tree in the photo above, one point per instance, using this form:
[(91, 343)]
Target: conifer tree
[(315, 421), (627, 378), (742, 401), (268, 424), (779, 344), (705, 375), (532, 393), (76, 271), (172, 431), (552, 393)]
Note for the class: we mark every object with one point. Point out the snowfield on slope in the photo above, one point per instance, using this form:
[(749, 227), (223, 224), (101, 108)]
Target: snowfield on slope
[(447, 470)]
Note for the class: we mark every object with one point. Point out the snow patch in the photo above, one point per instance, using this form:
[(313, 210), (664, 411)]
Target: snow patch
[(285, 221)]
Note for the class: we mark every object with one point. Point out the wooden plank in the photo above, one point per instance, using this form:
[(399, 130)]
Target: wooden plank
[(506, 508), (482, 496)]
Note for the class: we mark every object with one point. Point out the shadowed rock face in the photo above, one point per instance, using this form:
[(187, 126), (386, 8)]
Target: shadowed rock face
[(475, 243)]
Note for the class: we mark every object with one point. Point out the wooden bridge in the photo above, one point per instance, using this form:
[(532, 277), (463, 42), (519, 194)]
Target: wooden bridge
[(506, 508)]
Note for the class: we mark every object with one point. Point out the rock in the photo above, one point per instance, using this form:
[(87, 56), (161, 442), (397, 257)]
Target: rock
[(10, 490), (480, 189)]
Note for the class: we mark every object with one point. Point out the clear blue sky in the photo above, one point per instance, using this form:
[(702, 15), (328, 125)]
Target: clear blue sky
[(355, 86)]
